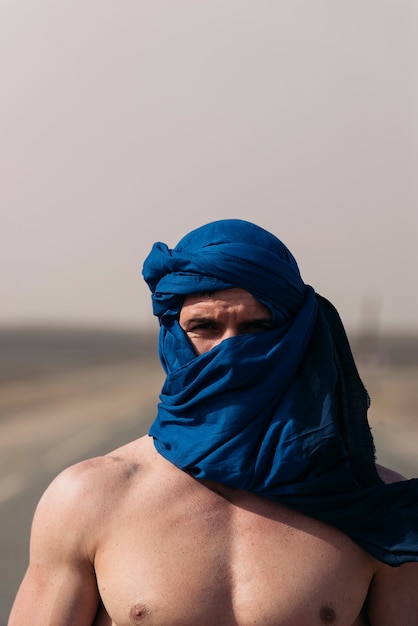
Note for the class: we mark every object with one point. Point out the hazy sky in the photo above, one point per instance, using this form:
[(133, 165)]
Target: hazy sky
[(127, 122)]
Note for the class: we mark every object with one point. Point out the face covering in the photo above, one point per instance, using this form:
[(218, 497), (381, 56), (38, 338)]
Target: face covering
[(282, 413)]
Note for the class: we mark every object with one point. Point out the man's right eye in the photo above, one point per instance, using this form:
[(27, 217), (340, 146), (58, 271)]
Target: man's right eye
[(198, 323), (202, 326)]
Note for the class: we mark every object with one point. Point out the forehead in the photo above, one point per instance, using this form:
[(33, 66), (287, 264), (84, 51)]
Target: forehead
[(225, 298)]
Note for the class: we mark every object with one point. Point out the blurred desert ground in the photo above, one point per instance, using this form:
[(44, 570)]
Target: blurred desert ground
[(67, 394)]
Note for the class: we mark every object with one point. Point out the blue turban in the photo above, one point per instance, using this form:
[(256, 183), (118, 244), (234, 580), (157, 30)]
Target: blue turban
[(281, 413)]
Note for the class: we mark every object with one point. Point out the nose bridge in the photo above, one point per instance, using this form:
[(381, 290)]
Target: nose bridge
[(230, 330)]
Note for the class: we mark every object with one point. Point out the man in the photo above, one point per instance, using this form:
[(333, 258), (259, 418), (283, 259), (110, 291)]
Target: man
[(256, 498)]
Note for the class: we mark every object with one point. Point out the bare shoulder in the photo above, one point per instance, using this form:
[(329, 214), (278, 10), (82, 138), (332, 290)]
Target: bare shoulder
[(113, 470), (393, 596), (389, 475), (79, 496), (70, 521)]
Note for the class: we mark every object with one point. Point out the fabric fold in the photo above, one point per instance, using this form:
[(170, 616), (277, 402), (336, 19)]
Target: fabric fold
[(282, 413)]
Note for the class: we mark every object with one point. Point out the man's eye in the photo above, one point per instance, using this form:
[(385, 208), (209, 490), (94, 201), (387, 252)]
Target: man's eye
[(258, 327), (202, 326)]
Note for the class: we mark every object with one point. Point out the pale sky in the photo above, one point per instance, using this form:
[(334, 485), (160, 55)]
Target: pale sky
[(127, 122)]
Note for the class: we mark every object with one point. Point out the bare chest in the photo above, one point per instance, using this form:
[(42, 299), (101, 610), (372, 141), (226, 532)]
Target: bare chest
[(202, 559)]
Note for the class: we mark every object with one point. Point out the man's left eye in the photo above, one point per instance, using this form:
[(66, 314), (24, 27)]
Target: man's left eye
[(257, 327), (205, 325)]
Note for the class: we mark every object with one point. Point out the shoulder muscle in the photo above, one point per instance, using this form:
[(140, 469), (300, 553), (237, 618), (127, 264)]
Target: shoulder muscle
[(393, 596)]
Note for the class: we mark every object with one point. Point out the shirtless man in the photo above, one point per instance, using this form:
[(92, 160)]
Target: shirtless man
[(129, 538)]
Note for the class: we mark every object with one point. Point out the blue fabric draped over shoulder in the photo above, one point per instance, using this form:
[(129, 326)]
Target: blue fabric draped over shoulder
[(282, 413)]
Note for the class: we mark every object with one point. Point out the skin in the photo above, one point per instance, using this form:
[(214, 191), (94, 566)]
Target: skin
[(129, 539)]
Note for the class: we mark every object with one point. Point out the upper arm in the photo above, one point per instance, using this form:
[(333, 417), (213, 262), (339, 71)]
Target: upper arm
[(59, 587), (60, 596), (393, 596)]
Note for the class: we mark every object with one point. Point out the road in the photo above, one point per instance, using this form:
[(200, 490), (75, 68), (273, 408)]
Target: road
[(393, 416), (52, 421)]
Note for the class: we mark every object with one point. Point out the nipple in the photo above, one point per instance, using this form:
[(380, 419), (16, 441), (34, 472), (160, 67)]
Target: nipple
[(327, 615), (137, 613)]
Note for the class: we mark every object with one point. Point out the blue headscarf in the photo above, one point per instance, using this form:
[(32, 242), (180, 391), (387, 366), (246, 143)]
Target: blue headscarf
[(281, 413)]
